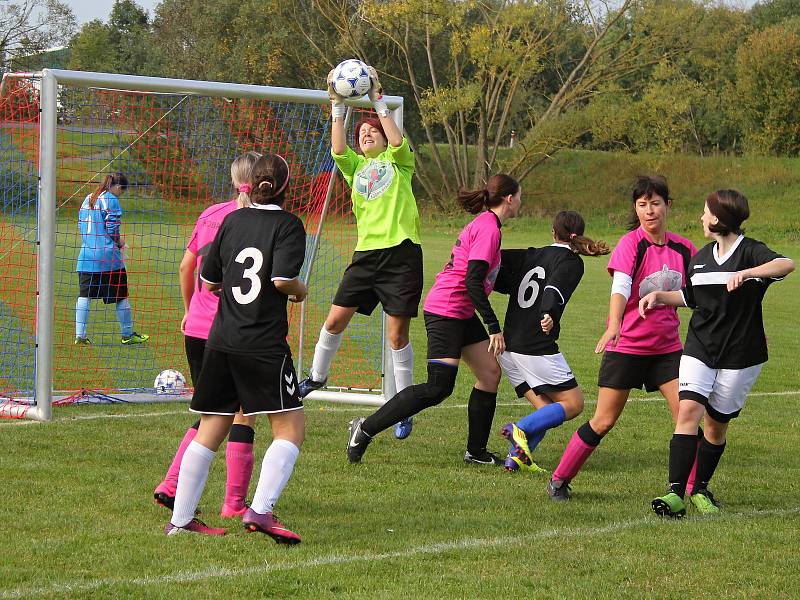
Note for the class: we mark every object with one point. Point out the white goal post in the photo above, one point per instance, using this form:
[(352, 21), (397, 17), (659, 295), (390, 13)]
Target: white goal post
[(50, 85)]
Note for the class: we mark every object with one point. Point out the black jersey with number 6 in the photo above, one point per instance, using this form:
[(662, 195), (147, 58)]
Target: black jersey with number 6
[(253, 248), (539, 281), (727, 329)]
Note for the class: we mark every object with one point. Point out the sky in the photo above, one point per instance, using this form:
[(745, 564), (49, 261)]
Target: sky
[(86, 10)]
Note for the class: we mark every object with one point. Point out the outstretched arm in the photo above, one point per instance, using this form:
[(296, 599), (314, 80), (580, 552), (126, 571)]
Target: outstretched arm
[(653, 299), (338, 112), (394, 136)]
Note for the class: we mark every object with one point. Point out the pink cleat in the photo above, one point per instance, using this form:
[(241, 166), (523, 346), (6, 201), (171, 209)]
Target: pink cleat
[(193, 526), (228, 512), (269, 524)]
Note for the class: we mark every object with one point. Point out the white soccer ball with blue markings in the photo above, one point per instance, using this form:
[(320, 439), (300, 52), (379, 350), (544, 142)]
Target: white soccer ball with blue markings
[(351, 79), (170, 381)]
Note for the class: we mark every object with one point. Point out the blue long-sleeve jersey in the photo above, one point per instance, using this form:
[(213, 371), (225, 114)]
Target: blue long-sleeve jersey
[(100, 239)]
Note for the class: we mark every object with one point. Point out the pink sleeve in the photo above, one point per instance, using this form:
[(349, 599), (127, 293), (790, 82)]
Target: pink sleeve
[(623, 258), (192, 245), (484, 243)]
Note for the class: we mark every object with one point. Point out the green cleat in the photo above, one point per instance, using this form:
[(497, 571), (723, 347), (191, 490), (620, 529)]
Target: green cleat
[(521, 466), (519, 443), (705, 503), (135, 338), (79, 341), (671, 505)]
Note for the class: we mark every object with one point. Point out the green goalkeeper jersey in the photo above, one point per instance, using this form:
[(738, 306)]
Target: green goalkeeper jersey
[(383, 203)]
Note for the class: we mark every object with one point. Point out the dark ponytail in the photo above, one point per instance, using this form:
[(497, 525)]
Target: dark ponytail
[(270, 180), (109, 181), (497, 189), (568, 228)]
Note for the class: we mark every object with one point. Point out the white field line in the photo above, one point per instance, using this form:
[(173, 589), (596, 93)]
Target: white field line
[(356, 558), (343, 409)]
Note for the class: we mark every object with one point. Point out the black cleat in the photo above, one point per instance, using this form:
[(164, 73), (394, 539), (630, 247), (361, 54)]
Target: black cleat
[(558, 490), (308, 385), (357, 442), (483, 458)]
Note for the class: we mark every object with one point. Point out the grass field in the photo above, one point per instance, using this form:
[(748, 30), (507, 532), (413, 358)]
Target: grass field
[(413, 520)]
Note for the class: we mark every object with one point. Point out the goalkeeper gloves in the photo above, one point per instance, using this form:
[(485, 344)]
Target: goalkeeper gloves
[(375, 93), (338, 108)]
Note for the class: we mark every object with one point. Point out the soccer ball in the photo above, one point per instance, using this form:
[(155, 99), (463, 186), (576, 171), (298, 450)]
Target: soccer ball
[(351, 79), (169, 381)]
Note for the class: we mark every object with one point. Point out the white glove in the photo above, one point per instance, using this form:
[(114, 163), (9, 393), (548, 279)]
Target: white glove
[(375, 93), (338, 109)]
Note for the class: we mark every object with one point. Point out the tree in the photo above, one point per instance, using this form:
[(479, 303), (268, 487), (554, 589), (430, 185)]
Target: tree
[(31, 26), (768, 90), (474, 67), (123, 45)]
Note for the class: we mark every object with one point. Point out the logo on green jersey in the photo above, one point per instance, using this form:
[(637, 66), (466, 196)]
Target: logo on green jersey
[(374, 179)]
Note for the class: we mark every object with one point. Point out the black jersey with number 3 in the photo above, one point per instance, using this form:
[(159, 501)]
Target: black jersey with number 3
[(253, 248), (727, 330), (539, 281)]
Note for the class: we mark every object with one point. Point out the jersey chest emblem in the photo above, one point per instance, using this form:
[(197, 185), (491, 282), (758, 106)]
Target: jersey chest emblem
[(373, 179), (665, 280)]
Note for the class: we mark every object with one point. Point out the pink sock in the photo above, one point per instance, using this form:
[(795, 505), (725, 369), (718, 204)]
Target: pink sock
[(690, 481), (170, 483), (572, 460), (239, 460)]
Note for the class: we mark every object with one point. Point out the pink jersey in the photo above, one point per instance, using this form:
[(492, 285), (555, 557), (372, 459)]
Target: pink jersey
[(203, 306), (479, 240), (653, 268)]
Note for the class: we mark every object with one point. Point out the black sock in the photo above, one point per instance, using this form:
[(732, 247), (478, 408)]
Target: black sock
[(480, 413), (708, 456), (241, 433), (588, 435), (413, 399), (682, 450), (402, 406)]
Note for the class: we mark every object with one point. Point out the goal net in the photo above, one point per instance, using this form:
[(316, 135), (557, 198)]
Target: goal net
[(61, 133)]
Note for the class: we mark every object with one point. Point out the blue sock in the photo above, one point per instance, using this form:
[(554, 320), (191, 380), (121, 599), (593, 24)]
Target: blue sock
[(534, 440), (81, 317), (124, 317), (540, 421)]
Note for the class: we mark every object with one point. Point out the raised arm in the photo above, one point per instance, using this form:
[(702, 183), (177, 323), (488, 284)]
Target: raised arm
[(338, 112), (394, 136)]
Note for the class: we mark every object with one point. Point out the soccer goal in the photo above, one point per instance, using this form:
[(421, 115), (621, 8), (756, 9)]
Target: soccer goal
[(61, 132)]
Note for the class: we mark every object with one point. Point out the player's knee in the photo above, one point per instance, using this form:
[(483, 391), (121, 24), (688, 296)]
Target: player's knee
[(602, 424), (488, 377), (440, 385)]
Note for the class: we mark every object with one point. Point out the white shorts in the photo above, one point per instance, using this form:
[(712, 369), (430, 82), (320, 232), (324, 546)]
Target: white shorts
[(542, 374), (721, 391)]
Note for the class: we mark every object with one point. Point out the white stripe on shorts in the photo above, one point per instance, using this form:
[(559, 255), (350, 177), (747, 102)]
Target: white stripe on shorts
[(726, 389)]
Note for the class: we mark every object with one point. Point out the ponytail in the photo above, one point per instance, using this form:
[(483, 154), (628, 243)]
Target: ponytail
[(109, 181), (497, 189), (568, 228), (270, 181), (242, 176)]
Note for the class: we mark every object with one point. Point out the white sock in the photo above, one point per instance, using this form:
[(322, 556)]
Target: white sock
[(325, 350), (191, 482), (403, 360), (276, 469)]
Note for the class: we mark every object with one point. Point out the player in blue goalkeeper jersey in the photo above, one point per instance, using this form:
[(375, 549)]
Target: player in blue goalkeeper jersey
[(101, 266)]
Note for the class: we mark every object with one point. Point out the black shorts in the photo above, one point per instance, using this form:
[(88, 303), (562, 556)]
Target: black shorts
[(391, 276), (448, 336), (623, 371), (111, 286), (195, 348), (256, 384)]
